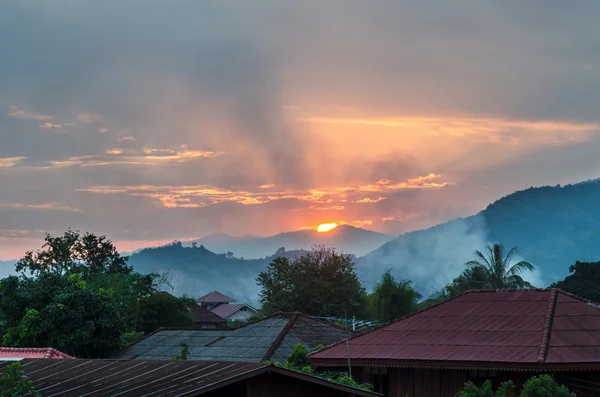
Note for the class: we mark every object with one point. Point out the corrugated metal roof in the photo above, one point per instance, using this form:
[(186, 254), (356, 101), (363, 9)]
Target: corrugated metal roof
[(215, 297), (111, 378), (546, 326), (31, 352), (272, 339)]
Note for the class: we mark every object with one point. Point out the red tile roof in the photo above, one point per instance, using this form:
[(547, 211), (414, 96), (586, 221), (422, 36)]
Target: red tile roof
[(33, 352), (539, 327), (215, 297)]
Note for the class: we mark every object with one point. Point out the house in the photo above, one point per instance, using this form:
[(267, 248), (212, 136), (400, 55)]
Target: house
[(272, 338), (20, 353), (479, 335), (206, 319), (224, 307), (182, 378), (202, 317)]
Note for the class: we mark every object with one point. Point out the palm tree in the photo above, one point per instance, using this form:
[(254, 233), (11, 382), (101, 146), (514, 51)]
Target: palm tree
[(497, 270)]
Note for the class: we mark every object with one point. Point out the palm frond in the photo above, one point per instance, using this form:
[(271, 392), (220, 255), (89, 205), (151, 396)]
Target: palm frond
[(519, 268)]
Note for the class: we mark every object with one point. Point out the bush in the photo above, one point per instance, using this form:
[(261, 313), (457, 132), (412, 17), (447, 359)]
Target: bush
[(538, 386)]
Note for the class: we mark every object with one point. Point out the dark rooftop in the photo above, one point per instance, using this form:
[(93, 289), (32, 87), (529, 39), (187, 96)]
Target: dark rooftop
[(202, 315), (272, 338), (530, 327), (104, 378), (215, 297)]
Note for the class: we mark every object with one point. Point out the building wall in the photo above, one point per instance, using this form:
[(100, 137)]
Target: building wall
[(415, 382), (241, 315)]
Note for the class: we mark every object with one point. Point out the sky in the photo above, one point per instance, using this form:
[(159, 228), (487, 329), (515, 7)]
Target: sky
[(149, 123)]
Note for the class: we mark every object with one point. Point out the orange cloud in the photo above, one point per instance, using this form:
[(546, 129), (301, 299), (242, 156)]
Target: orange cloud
[(24, 114), (10, 161), (322, 199), (368, 200), (494, 130)]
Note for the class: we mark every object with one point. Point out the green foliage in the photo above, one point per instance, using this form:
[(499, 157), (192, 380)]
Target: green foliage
[(297, 361), (584, 280), (545, 386), (537, 386), (319, 282), (392, 299), (57, 311), (74, 253), (183, 355), (14, 383), (130, 338), (164, 310), (497, 270)]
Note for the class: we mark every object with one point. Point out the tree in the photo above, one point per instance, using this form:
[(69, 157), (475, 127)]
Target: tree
[(545, 386), (85, 254), (14, 383), (506, 389), (392, 299), (470, 278), (61, 312), (584, 280), (319, 282), (499, 274), (164, 310)]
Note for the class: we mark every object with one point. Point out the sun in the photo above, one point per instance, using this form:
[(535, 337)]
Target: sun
[(325, 227)]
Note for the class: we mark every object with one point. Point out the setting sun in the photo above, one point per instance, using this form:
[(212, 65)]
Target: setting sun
[(325, 227)]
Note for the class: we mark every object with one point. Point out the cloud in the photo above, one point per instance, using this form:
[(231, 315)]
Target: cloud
[(124, 138), (43, 206), (90, 118), (48, 126), (10, 161), (322, 199), (494, 130), (368, 200), (24, 114)]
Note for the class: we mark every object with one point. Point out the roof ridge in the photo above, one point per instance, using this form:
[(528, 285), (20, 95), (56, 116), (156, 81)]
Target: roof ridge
[(543, 349), (281, 335), (358, 333)]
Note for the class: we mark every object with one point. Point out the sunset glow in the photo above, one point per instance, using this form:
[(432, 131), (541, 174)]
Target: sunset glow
[(325, 227)]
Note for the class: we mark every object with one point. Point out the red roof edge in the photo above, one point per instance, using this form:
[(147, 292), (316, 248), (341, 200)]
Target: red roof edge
[(394, 321), (543, 349), (282, 334), (49, 352)]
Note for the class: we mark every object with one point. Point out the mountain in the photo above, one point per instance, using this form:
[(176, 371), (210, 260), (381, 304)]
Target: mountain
[(195, 271), (344, 238), (553, 227)]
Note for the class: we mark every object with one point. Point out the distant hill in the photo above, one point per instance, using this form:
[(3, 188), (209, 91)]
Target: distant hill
[(552, 226), (195, 271), (344, 238)]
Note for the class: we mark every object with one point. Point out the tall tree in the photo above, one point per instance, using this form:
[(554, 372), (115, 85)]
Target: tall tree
[(60, 312), (392, 299), (496, 267), (164, 310), (318, 282), (73, 252), (584, 281)]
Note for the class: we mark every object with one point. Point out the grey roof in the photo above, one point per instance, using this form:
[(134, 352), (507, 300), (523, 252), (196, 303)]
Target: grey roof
[(272, 338), (215, 297), (182, 378)]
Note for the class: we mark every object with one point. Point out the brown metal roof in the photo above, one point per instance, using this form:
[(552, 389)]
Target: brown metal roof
[(531, 327), (215, 297), (201, 315), (104, 378)]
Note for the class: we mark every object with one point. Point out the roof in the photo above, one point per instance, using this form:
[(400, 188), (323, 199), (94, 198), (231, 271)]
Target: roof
[(215, 297), (227, 309), (95, 378), (540, 328), (31, 352), (272, 338), (202, 315)]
